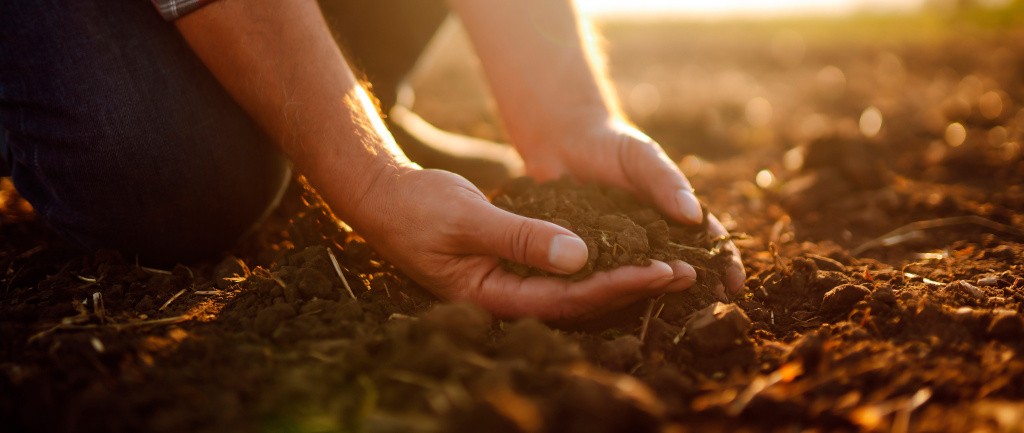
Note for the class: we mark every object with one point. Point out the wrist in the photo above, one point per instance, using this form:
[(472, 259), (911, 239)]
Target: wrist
[(565, 137), (359, 196), (558, 128)]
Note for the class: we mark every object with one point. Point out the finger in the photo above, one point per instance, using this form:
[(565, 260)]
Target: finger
[(653, 173), (735, 275), (683, 276), (551, 298), (485, 229)]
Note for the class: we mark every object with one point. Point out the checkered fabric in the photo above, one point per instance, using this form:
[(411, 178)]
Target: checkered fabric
[(174, 9)]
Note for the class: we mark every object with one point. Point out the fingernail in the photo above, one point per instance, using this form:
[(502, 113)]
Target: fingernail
[(567, 253), (735, 282), (683, 276), (684, 270), (689, 205)]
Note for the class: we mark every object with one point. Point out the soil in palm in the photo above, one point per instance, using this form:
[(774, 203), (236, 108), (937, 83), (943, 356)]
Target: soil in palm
[(618, 229)]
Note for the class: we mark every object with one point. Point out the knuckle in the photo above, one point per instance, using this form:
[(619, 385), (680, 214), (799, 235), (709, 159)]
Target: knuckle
[(519, 236), (459, 224)]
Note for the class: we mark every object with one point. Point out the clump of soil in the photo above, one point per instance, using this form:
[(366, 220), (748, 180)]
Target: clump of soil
[(618, 229)]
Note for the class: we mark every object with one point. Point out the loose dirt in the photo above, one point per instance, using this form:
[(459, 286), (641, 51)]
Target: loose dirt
[(918, 331)]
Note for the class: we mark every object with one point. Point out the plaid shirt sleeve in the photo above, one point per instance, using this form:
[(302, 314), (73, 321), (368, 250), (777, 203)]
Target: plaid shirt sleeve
[(174, 9)]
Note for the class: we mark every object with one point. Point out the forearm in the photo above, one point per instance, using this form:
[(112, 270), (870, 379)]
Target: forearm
[(541, 65), (278, 60)]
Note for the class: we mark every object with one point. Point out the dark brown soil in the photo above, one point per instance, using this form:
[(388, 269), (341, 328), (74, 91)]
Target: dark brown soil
[(922, 332), (617, 229)]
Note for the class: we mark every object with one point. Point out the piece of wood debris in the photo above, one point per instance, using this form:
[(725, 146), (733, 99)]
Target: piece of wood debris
[(98, 308), (337, 268), (176, 295)]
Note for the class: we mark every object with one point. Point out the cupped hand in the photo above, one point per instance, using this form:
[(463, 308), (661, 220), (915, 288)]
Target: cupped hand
[(441, 231), (617, 154)]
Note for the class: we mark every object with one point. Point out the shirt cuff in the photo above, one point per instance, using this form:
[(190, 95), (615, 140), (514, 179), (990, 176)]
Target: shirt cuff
[(174, 9)]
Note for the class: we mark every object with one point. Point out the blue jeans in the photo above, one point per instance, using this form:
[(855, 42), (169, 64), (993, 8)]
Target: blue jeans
[(121, 138)]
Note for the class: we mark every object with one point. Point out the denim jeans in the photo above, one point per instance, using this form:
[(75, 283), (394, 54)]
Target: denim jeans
[(121, 138)]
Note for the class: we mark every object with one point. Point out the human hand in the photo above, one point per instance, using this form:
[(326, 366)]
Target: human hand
[(614, 153), (440, 230)]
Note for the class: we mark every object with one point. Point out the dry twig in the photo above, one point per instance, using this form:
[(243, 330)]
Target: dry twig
[(779, 264), (114, 326), (786, 373), (155, 271), (647, 317), (337, 268), (98, 308), (176, 295)]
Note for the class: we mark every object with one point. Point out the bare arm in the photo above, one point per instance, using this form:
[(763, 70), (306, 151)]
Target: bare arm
[(280, 62), (540, 65)]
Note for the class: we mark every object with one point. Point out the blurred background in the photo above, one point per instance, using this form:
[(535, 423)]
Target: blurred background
[(870, 108), (741, 8), (702, 66)]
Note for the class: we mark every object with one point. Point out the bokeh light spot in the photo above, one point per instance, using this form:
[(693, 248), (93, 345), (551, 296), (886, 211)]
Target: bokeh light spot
[(793, 159), (956, 134), (690, 165), (991, 105), (1011, 151), (997, 136), (831, 82), (870, 121), (764, 178), (890, 70)]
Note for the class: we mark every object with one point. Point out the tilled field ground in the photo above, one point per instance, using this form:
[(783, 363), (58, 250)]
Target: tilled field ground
[(879, 182)]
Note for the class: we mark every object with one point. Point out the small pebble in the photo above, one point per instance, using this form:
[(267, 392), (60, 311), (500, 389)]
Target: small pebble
[(884, 294), (970, 289), (717, 327), (843, 298), (988, 282)]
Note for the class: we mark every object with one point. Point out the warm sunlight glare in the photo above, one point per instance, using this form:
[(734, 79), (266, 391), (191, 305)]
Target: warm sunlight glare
[(734, 8)]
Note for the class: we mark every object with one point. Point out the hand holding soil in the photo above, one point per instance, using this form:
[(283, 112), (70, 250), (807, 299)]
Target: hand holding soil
[(441, 230), (618, 231), (611, 152)]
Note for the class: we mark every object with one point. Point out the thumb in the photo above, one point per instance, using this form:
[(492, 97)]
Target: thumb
[(524, 240), (656, 176)]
